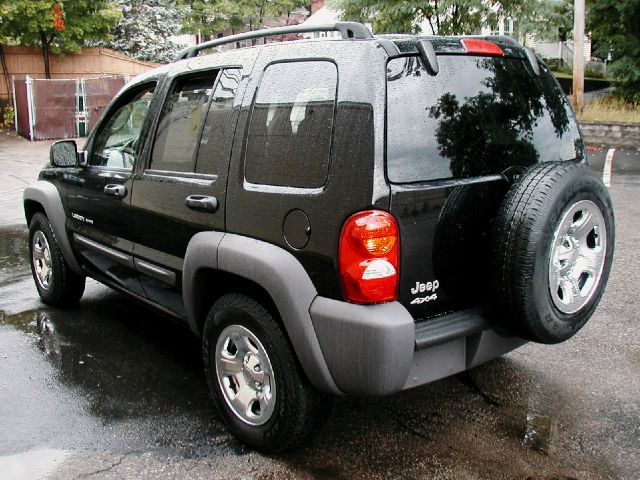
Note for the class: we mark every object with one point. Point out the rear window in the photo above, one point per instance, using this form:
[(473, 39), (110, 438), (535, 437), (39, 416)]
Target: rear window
[(478, 116)]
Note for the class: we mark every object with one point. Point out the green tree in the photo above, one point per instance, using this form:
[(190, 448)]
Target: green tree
[(210, 17), (545, 19), (62, 25), (3, 64), (145, 30), (446, 17), (615, 30)]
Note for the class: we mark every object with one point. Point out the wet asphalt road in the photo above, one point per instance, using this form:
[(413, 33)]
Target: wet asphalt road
[(111, 390)]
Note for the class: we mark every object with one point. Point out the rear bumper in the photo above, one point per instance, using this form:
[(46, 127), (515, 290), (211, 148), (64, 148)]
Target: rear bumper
[(379, 349)]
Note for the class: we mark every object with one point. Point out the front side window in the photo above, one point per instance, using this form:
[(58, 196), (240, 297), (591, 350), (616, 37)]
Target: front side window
[(289, 138), (180, 121), (117, 142)]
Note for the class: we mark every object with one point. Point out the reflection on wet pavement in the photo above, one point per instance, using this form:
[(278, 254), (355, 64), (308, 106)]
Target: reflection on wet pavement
[(121, 371), (122, 390), (14, 254), (538, 433), (33, 464)]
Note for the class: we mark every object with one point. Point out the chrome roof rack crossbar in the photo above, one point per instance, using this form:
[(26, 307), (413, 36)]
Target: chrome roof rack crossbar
[(348, 30)]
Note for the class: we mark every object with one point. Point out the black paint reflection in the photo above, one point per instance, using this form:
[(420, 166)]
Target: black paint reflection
[(461, 243)]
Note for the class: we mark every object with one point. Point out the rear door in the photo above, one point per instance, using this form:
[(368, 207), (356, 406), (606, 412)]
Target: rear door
[(452, 140), (307, 149), (181, 191)]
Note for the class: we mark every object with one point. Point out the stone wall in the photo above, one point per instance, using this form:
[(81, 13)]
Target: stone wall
[(613, 134)]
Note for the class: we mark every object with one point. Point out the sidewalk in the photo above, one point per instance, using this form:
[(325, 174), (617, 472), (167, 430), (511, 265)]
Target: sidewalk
[(20, 162)]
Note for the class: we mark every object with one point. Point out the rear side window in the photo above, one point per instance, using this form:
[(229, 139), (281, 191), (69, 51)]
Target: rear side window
[(216, 126), (478, 116), (180, 122), (289, 139)]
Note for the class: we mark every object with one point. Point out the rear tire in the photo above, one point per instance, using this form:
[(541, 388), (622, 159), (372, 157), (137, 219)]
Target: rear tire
[(254, 378), (57, 284), (553, 248)]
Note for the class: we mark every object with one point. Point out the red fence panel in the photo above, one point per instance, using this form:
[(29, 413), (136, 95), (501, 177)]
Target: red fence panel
[(99, 92), (62, 108), (54, 104), (22, 107)]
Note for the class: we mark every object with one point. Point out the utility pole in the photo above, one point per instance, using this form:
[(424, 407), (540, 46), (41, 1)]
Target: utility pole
[(578, 56)]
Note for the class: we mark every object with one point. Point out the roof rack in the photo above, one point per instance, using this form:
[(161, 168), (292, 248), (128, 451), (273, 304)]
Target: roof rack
[(348, 30)]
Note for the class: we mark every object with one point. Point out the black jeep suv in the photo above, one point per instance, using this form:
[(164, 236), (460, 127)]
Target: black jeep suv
[(352, 216)]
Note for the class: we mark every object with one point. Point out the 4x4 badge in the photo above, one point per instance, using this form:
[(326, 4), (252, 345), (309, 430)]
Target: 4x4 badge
[(430, 287)]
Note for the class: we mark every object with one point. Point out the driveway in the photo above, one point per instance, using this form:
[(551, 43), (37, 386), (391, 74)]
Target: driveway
[(110, 390)]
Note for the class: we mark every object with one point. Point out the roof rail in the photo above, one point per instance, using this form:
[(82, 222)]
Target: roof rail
[(348, 30)]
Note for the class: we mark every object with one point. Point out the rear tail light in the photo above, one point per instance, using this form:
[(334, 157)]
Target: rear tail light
[(369, 257), (481, 47)]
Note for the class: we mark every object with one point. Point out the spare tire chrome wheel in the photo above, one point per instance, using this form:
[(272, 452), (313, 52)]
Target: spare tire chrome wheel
[(577, 259), (553, 242)]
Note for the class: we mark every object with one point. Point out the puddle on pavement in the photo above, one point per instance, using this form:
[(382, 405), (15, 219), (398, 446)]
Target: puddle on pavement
[(14, 254), (39, 324), (133, 377), (539, 432), (34, 464), (25, 321)]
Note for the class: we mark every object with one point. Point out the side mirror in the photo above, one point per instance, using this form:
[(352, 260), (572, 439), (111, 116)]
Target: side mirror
[(64, 154)]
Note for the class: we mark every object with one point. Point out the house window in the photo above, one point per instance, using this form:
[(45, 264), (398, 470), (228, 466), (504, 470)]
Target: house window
[(508, 26)]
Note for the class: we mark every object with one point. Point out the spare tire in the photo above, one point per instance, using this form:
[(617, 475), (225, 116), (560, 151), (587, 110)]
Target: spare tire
[(553, 246)]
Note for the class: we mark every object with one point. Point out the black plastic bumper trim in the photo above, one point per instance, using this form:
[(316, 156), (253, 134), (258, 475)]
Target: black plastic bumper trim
[(443, 329)]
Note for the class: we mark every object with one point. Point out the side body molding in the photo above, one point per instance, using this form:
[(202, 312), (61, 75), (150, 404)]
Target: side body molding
[(47, 195), (278, 272)]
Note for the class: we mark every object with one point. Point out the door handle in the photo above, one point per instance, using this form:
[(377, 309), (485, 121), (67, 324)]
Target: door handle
[(202, 203), (118, 191)]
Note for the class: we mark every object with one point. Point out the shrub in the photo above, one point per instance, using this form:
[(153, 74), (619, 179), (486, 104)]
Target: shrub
[(611, 108), (8, 117), (593, 73)]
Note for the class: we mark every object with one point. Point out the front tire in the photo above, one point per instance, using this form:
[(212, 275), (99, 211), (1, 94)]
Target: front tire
[(256, 383), (57, 284)]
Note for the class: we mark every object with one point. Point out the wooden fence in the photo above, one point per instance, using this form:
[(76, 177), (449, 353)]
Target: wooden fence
[(61, 108), (90, 62)]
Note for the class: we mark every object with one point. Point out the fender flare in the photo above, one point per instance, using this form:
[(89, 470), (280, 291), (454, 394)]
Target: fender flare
[(279, 273), (47, 195)]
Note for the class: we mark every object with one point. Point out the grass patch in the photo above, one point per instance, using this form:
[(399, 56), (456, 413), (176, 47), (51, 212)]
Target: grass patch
[(610, 109)]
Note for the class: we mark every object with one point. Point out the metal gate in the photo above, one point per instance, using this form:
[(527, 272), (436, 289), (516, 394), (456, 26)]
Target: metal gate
[(99, 92), (21, 96), (53, 109), (61, 108)]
